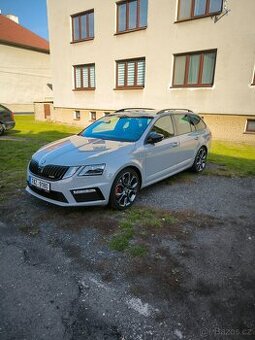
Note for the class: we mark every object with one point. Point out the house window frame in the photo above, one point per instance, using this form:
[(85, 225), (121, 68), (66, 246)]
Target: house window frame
[(192, 11), (77, 115), (246, 130), (92, 116), (79, 15), (138, 9), (200, 71), (125, 86), (82, 88)]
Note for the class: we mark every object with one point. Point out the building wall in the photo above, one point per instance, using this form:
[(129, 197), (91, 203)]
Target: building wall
[(24, 75), (232, 36), (229, 128)]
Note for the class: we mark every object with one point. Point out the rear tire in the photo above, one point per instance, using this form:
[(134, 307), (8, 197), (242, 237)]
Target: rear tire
[(124, 189), (1, 129), (200, 160)]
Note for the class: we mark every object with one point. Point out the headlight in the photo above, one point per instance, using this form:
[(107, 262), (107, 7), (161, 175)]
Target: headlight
[(71, 171), (92, 170)]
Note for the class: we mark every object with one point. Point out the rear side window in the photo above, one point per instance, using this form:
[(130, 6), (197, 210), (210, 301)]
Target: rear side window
[(164, 126), (182, 123), (197, 122)]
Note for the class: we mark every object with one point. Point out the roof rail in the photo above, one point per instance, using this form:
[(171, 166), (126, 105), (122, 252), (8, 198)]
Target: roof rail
[(167, 110), (134, 109)]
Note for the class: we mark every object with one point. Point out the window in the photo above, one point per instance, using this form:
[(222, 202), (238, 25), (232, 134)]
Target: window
[(83, 26), (191, 9), (164, 126), (93, 116), (194, 69), (77, 115), (196, 122), (182, 123), (84, 77), (250, 126), (130, 73), (253, 82), (131, 15), (118, 128)]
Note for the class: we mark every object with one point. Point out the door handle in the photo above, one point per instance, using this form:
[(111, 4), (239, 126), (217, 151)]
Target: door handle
[(174, 144), (196, 138)]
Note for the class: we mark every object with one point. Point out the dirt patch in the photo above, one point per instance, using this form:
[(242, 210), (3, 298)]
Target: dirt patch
[(197, 271)]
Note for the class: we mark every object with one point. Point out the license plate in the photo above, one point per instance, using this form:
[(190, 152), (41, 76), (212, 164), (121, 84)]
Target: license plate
[(39, 184)]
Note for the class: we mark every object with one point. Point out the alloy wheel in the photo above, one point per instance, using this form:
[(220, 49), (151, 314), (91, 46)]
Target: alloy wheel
[(125, 189), (201, 160)]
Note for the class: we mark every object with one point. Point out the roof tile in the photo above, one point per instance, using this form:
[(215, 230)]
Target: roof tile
[(17, 35)]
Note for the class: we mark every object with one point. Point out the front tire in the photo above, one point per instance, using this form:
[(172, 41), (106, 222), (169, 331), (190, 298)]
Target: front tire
[(124, 189), (200, 160)]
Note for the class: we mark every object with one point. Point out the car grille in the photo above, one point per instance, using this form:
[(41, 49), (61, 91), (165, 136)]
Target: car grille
[(53, 172)]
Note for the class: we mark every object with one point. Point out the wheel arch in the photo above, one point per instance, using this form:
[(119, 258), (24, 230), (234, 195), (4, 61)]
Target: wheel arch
[(205, 147), (132, 166), (136, 169)]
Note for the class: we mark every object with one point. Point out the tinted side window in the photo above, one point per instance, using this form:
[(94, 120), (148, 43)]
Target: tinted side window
[(197, 122), (164, 126), (182, 123)]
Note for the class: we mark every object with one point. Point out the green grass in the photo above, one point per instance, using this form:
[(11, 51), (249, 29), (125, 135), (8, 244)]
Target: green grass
[(28, 136), (137, 221), (235, 159), (137, 250)]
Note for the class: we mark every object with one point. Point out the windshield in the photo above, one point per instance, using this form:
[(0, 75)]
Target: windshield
[(117, 128)]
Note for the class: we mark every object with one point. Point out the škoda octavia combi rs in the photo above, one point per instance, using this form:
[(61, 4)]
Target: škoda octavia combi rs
[(117, 155)]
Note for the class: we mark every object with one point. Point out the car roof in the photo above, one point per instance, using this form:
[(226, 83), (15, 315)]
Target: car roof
[(145, 112)]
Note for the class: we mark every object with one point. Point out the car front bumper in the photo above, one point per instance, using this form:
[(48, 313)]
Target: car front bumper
[(74, 191)]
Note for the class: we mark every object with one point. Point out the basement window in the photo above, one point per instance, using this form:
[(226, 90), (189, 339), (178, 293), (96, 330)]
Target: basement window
[(77, 115), (250, 126), (93, 116)]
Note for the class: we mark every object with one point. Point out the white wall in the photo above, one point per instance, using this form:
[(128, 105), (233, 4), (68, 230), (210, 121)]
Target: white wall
[(233, 36), (24, 75)]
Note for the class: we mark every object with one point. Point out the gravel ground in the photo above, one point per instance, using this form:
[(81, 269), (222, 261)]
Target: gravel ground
[(214, 195), (60, 280)]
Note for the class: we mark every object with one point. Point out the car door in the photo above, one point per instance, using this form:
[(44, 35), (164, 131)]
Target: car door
[(188, 139), (161, 158)]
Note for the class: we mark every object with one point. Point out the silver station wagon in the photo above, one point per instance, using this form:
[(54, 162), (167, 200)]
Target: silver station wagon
[(117, 155)]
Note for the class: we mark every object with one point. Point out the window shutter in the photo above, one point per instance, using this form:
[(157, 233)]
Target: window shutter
[(121, 74), (77, 71), (85, 76), (92, 76), (140, 72), (131, 74)]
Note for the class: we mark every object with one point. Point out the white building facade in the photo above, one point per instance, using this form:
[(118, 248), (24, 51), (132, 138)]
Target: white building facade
[(196, 54)]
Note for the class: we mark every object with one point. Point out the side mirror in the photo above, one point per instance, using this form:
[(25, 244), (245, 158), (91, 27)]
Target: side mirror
[(154, 138)]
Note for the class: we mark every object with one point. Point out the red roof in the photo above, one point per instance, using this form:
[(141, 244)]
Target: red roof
[(17, 35)]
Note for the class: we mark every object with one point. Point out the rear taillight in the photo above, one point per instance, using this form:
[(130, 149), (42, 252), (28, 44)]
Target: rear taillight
[(12, 115)]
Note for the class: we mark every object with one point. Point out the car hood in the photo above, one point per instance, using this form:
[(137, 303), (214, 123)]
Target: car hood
[(77, 150)]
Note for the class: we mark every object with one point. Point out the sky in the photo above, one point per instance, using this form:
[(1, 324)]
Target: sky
[(32, 14)]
